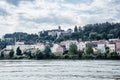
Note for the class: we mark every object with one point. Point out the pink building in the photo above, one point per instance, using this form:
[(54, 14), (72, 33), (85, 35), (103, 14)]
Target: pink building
[(57, 50), (118, 47)]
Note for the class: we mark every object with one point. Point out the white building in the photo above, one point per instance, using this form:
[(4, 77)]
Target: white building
[(111, 47), (68, 32), (81, 46), (114, 40), (101, 47), (55, 32), (5, 52), (24, 47)]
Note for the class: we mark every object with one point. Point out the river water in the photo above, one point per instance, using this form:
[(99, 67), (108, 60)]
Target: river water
[(59, 70)]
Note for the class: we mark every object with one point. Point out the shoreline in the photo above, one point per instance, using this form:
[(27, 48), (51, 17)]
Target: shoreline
[(61, 59)]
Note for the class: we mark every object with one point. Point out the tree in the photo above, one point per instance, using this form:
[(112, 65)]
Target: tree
[(11, 54), (93, 35), (75, 29), (47, 51), (75, 35), (39, 55), (104, 35), (2, 55), (89, 49), (99, 36), (72, 48), (119, 34), (59, 27), (114, 55), (80, 54), (18, 51), (29, 54), (107, 54), (110, 36), (80, 29)]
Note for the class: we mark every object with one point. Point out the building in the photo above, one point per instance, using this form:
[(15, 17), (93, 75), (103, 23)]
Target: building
[(57, 49), (95, 43), (24, 47), (68, 32), (69, 42), (101, 45), (118, 47), (55, 32), (101, 48), (81, 46), (5, 52), (111, 47), (114, 40)]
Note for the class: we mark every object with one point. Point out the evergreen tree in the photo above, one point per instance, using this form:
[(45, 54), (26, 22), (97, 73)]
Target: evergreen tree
[(72, 49), (2, 55), (11, 54), (80, 29), (47, 51), (39, 55), (89, 49), (93, 35), (18, 51), (75, 29)]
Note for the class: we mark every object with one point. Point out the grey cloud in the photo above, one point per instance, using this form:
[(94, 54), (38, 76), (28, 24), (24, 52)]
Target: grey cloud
[(3, 12), (54, 19), (78, 1), (16, 2)]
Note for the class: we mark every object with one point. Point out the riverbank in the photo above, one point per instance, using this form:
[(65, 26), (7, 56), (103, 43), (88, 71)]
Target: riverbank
[(72, 54)]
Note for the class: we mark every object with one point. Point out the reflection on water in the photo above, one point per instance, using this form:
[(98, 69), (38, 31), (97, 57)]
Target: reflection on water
[(59, 70)]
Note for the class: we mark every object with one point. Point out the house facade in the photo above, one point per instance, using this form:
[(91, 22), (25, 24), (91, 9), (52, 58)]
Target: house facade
[(118, 47), (57, 50), (81, 46), (111, 47), (24, 47), (101, 48)]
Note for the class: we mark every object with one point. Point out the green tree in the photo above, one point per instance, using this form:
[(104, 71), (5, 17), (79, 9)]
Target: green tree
[(72, 48), (11, 54), (80, 54), (93, 35), (18, 51), (104, 35), (75, 29), (107, 54), (2, 55), (89, 49), (39, 55), (29, 54), (99, 36), (110, 36), (47, 51), (80, 29), (114, 55)]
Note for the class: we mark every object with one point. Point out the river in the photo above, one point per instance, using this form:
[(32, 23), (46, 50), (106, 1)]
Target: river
[(59, 70)]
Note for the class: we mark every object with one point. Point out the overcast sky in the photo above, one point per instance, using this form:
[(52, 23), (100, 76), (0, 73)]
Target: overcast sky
[(35, 15)]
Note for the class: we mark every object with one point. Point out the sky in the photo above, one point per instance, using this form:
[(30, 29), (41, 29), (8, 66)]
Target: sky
[(32, 16)]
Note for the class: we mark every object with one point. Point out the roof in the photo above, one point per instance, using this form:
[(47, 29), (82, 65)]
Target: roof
[(54, 30)]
